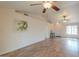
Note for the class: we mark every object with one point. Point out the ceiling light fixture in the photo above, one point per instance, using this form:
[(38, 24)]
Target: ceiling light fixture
[(65, 20), (47, 5)]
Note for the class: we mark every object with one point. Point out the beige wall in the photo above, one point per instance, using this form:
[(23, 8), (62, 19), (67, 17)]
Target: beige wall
[(10, 39)]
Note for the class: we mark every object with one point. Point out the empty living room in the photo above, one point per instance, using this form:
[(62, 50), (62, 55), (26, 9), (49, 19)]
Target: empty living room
[(39, 28)]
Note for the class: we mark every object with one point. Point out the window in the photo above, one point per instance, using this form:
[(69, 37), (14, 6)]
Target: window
[(71, 30)]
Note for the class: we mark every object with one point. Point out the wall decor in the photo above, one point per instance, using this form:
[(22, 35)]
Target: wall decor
[(21, 25)]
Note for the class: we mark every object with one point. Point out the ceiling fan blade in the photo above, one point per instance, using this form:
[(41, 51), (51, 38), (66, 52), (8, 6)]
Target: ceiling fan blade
[(44, 10), (26, 14), (55, 8), (18, 11), (21, 12), (35, 4)]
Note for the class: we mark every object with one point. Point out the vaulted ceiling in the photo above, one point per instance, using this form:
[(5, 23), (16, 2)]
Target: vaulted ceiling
[(70, 7)]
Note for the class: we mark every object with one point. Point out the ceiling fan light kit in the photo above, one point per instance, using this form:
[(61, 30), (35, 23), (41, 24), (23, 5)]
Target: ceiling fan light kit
[(47, 5)]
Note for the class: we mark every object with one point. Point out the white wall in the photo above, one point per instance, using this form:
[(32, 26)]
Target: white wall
[(10, 39)]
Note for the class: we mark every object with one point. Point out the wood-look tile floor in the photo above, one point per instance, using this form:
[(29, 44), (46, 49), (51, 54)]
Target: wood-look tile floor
[(58, 47)]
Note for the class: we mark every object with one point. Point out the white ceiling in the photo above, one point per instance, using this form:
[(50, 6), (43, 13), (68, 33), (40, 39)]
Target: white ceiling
[(71, 7)]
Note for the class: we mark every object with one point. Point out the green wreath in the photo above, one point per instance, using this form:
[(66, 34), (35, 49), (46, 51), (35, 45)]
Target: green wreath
[(22, 25)]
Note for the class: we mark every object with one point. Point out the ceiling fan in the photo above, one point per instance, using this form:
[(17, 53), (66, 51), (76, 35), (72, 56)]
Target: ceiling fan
[(65, 20), (47, 5)]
